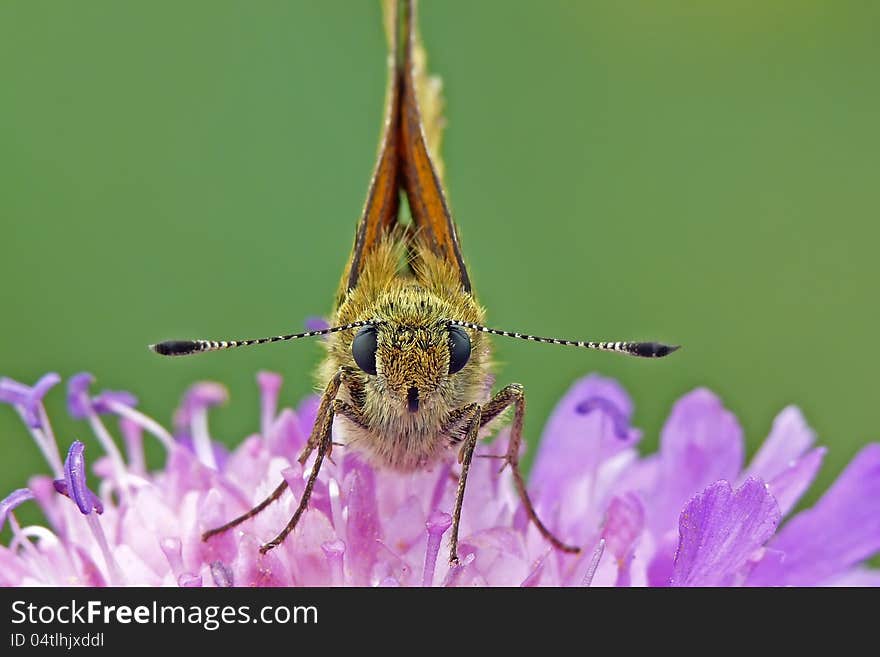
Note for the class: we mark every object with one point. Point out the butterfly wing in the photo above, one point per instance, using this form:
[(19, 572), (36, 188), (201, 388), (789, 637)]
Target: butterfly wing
[(419, 175), (404, 162)]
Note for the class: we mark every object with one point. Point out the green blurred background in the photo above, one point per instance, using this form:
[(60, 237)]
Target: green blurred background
[(697, 172)]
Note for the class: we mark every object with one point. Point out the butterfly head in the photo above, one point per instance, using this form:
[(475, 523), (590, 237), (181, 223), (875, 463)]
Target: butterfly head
[(411, 353)]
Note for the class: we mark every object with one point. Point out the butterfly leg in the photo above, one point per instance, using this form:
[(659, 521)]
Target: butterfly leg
[(322, 438), (320, 434), (465, 455), (515, 395)]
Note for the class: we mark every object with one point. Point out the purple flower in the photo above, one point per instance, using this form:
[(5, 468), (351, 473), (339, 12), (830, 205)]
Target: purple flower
[(689, 515)]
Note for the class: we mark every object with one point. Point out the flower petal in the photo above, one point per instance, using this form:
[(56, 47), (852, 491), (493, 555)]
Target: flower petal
[(789, 438), (869, 577), (589, 425), (286, 436), (307, 414), (363, 528), (842, 530), (788, 486), (624, 522), (254, 569), (719, 529), (701, 443)]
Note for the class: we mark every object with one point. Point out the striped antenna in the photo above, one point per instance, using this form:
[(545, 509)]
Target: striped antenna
[(187, 347), (640, 349)]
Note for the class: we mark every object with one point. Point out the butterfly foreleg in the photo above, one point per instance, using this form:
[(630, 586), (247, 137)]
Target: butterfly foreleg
[(320, 438), (515, 395)]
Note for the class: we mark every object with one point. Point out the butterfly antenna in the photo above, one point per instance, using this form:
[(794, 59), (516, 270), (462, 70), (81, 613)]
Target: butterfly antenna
[(187, 347), (640, 349)]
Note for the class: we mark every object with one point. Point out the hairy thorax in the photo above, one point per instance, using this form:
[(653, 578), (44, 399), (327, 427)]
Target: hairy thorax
[(404, 416)]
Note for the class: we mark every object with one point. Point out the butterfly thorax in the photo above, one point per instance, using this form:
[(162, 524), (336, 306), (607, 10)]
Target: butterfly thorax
[(404, 408)]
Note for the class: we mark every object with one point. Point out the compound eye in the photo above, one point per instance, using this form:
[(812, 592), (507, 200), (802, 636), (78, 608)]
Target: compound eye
[(459, 348), (363, 349)]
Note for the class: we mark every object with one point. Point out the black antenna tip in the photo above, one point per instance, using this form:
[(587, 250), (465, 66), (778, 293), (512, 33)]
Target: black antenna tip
[(654, 349), (174, 347)]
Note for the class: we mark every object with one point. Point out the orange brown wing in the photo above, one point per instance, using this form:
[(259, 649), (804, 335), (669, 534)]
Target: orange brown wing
[(404, 161), (427, 200)]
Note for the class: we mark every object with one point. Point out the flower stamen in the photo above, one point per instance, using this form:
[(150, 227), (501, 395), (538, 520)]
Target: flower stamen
[(335, 553), (81, 407), (74, 487), (437, 524), (28, 402), (172, 548)]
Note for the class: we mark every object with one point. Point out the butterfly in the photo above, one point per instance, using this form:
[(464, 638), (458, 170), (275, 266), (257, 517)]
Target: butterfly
[(407, 368)]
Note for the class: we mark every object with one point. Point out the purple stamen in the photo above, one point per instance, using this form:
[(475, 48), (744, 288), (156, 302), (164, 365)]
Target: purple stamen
[(335, 553), (11, 501), (116, 577), (80, 406), (129, 414), (193, 414), (34, 402), (132, 434), (78, 403), (437, 524), (61, 487), (12, 392), (74, 483), (618, 418), (74, 487), (108, 400), (30, 399), (198, 397), (45, 438)]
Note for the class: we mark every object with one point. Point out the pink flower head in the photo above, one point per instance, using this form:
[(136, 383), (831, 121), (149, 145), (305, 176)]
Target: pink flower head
[(689, 515)]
